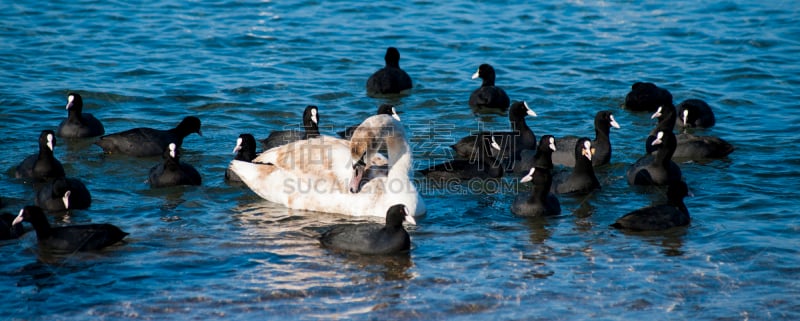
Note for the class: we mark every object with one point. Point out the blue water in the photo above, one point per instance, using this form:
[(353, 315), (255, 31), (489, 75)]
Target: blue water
[(219, 251)]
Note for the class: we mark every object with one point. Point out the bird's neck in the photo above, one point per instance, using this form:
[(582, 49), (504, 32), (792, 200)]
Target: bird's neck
[(399, 157), (42, 227)]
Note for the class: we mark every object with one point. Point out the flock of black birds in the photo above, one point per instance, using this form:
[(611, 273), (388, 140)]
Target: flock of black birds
[(486, 155)]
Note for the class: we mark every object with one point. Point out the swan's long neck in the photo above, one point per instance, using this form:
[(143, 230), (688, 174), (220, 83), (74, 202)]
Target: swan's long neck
[(399, 157), (382, 130)]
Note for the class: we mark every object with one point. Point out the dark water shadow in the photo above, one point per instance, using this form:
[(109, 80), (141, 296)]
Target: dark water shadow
[(671, 241), (585, 208), (391, 98), (391, 267), (173, 196), (54, 268), (482, 111), (540, 254), (539, 233), (582, 215), (37, 274), (74, 145)]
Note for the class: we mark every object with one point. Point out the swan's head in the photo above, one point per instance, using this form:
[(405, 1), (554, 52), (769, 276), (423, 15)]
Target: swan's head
[(359, 167), (367, 139)]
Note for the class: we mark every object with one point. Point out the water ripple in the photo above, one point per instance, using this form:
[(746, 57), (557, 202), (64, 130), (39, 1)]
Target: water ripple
[(219, 251)]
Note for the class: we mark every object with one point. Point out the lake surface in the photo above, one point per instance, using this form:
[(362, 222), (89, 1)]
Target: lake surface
[(220, 251)]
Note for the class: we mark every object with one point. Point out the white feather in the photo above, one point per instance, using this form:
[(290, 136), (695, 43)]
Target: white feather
[(314, 174)]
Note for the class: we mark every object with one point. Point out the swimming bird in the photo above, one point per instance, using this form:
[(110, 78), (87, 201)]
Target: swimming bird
[(44, 165), (63, 194), (283, 137), (512, 142), (657, 168), (695, 147), (646, 96), (245, 151), (488, 96), (666, 115), (484, 166), (603, 121), (144, 142), (659, 217), (383, 109), (540, 202), (79, 124), (68, 239), (390, 79), (372, 238), (172, 171), (695, 113), (327, 174), (541, 158), (689, 146), (581, 179)]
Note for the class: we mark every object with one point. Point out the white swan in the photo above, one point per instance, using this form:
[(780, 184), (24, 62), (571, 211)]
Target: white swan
[(327, 174)]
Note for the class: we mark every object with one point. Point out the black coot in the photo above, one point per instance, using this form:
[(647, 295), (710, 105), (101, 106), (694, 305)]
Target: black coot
[(659, 217), (646, 96), (603, 121), (283, 137), (62, 194), (540, 202), (372, 238), (390, 79), (657, 168), (69, 239), (542, 157), (172, 171), (512, 142), (581, 179), (44, 165), (488, 96), (485, 165), (695, 113), (245, 151), (695, 147), (689, 146), (145, 142), (79, 124)]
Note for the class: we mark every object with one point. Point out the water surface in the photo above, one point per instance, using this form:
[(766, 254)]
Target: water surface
[(219, 251)]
